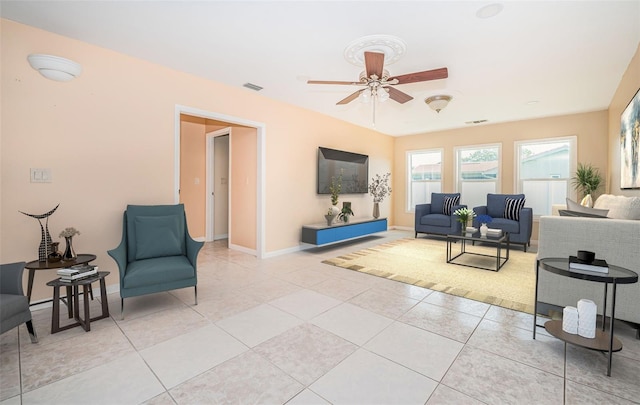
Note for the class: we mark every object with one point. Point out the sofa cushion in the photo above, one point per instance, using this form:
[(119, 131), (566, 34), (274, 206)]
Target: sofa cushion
[(619, 206), (449, 203), (568, 213), (575, 207), (436, 220), (158, 236), (160, 269), (512, 207), (496, 204), (12, 305), (507, 225)]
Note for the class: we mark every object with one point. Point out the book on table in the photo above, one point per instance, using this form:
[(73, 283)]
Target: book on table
[(597, 265), (78, 272)]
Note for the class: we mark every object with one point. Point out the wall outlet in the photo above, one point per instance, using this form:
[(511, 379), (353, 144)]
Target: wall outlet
[(41, 175)]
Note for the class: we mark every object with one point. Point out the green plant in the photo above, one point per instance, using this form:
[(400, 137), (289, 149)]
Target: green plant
[(345, 212), (335, 187), (379, 187), (464, 214), (587, 178)]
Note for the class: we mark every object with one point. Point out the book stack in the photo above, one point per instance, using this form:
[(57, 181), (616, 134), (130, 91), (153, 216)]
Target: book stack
[(597, 265), (77, 272), (494, 232)]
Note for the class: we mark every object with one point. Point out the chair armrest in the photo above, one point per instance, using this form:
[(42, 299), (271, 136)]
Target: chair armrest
[(119, 254), (11, 278), (193, 248), (456, 208), (481, 210), (526, 221), (421, 210)]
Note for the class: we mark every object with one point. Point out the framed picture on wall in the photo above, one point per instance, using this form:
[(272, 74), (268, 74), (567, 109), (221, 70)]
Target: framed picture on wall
[(630, 144)]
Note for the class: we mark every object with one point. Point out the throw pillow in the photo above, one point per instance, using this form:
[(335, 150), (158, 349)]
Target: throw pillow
[(574, 206), (567, 213), (449, 203), (512, 207), (158, 236)]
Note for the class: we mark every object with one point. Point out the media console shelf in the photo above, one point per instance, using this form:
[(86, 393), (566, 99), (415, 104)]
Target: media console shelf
[(321, 234)]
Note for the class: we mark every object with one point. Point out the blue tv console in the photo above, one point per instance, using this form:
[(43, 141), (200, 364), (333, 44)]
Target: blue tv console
[(321, 234)]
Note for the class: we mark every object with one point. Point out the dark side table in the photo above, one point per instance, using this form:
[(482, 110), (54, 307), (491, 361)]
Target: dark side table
[(73, 301), (36, 265), (602, 342)]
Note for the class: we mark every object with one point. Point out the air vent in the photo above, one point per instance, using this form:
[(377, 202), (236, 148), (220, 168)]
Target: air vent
[(475, 122), (252, 86)]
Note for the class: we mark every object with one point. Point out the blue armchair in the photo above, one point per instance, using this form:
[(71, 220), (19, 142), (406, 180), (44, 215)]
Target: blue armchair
[(432, 218), (156, 252), (14, 305), (513, 217)]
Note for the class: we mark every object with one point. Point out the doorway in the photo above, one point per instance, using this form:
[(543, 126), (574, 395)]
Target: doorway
[(217, 177)]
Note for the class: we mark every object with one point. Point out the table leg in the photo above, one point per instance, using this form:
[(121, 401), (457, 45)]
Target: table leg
[(87, 317), (76, 303), (535, 302), (498, 258), (604, 308), (103, 297), (613, 315), (55, 316), (69, 302), (32, 273)]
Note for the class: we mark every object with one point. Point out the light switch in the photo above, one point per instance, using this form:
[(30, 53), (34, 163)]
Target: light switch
[(197, 180), (41, 175)]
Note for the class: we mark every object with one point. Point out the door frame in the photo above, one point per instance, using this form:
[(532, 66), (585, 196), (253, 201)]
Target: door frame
[(261, 132), (210, 186)]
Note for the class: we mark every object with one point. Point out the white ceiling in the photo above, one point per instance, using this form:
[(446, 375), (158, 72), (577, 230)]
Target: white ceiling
[(567, 56)]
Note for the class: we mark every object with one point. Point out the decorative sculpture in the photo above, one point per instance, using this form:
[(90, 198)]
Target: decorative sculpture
[(45, 242)]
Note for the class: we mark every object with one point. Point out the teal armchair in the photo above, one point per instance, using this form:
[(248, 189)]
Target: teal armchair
[(156, 253), (14, 305)]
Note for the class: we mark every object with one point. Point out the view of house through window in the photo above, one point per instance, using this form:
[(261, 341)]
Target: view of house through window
[(477, 173), (543, 172), (425, 176)]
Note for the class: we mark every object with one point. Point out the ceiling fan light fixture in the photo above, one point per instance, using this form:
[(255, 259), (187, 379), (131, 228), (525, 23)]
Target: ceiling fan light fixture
[(365, 96), (438, 102), (382, 94)]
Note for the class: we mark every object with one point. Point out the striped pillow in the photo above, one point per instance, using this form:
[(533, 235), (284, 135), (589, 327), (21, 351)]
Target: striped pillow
[(512, 207), (449, 203)]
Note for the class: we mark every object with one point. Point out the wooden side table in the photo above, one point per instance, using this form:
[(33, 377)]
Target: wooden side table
[(36, 265), (604, 342), (86, 320)]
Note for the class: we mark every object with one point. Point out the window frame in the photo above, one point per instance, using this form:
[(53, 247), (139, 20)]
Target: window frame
[(410, 207), (457, 161)]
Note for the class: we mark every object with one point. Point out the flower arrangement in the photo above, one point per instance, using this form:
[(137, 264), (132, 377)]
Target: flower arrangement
[(69, 232), (484, 219), (464, 214), (379, 187)]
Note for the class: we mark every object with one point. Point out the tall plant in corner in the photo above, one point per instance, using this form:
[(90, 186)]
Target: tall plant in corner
[(587, 181)]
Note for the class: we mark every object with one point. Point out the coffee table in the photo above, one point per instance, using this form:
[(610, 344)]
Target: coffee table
[(47, 265), (501, 243)]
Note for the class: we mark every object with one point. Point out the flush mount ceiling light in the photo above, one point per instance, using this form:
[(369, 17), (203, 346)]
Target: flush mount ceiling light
[(438, 102), (55, 67), (490, 10)]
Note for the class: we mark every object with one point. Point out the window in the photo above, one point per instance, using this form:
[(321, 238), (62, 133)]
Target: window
[(424, 176), (544, 169), (477, 173)]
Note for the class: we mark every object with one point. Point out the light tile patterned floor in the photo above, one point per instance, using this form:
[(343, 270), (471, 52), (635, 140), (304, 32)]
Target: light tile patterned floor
[(292, 330)]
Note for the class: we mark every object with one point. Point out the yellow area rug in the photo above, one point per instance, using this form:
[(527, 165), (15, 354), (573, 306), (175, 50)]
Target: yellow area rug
[(422, 262)]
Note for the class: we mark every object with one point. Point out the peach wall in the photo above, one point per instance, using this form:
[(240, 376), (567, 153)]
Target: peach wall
[(590, 129), (628, 87), (108, 137), (243, 188)]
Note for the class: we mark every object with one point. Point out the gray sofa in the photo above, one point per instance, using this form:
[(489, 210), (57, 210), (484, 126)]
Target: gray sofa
[(615, 240)]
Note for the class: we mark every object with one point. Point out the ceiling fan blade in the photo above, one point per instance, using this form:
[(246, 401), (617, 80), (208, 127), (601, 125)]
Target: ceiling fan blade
[(397, 95), (349, 98), (331, 82), (427, 75), (374, 63)]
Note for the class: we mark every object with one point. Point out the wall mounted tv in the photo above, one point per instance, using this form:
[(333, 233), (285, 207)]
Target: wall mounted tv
[(353, 166)]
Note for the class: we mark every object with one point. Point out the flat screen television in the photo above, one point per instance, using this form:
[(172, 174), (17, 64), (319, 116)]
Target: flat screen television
[(353, 166)]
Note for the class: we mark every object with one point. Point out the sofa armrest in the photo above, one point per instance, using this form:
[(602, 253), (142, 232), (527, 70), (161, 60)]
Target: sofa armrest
[(481, 210), (526, 222), (421, 210)]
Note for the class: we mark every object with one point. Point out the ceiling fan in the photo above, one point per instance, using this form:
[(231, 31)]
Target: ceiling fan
[(378, 83)]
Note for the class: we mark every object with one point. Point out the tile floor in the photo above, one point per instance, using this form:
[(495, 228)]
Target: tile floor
[(292, 330)]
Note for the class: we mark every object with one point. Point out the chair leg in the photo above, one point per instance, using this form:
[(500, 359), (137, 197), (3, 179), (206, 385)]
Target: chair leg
[(195, 292), (525, 247), (121, 309), (32, 332)]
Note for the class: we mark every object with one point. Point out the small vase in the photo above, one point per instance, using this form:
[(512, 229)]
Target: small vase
[(69, 253), (335, 210), (483, 229), (376, 210), (329, 219), (54, 255)]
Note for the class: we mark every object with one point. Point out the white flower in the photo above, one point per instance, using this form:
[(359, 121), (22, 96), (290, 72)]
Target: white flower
[(69, 232)]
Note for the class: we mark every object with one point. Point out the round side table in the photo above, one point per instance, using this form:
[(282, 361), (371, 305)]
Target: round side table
[(37, 265)]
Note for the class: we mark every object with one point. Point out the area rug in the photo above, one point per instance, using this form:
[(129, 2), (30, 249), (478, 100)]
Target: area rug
[(422, 262)]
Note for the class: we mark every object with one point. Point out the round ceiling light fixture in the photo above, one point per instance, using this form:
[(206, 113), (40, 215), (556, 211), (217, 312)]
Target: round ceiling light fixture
[(438, 102), (392, 47), (55, 67), (490, 10)]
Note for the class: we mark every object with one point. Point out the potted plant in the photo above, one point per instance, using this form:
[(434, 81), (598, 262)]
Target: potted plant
[(587, 180), (379, 189), (464, 215), (334, 188), (330, 216), (345, 213)]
